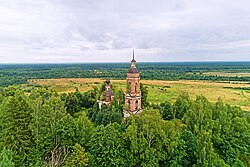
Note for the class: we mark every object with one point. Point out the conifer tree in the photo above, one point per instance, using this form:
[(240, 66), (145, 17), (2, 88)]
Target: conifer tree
[(71, 104), (6, 158), (16, 135)]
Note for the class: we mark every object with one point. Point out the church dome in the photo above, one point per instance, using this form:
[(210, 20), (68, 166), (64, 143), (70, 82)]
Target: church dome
[(133, 70)]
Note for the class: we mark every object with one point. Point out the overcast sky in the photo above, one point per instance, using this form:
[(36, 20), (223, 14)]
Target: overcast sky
[(56, 31)]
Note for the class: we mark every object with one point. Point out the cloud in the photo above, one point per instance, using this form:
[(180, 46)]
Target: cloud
[(107, 30)]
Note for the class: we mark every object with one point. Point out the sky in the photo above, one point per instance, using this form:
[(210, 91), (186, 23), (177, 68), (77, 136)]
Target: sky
[(66, 31)]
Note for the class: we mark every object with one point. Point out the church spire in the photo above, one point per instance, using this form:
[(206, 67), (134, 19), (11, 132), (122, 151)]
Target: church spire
[(133, 54), (132, 68), (133, 60)]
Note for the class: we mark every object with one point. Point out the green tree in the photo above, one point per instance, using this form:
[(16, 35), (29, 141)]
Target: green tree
[(9, 91), (149, 139), (34, 158), (89, 98), (6, 158), (181, 106), (15, 120), (1, 99), (106, 146), (84, 130), (71, 104), (144, 96), (53, 129), (103, 87), (190, 148), (167, 110), (118, 102), (199, 115), (199, 121), (80, 101), (42, 92), (106, 117), (231, 136), (78, 157)]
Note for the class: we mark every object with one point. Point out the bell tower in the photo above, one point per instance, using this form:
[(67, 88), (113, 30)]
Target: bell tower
[(133, 92)]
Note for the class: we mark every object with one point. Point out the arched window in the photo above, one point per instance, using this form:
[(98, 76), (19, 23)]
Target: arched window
[(136, 87), (128, 87), (136, 104)]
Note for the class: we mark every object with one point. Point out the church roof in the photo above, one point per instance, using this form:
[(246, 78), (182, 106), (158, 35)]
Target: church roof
[(110, 93), (133, 68), (107, 81)]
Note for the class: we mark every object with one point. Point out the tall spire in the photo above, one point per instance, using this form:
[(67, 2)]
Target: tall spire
[(133, 64), (133, 60), (133, 54)]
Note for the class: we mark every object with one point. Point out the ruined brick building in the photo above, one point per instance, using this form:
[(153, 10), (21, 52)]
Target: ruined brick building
[(132, 94), (108, 95)]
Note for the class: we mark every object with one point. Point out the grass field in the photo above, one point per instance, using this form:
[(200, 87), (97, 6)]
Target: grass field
[(227, 74), (234, 93)]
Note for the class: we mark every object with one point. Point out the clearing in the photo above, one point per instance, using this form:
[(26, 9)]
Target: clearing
[(234, 93)]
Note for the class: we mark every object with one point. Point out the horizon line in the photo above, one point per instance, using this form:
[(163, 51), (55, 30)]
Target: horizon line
[(92, 62)]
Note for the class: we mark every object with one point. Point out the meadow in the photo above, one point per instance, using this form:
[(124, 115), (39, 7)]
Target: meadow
[(165, 81), (231, 92), (228, 74)]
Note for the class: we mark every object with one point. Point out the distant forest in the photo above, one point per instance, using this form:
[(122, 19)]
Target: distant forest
[(19, 74)]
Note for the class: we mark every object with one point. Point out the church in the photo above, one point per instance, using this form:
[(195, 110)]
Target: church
[(132, 94)]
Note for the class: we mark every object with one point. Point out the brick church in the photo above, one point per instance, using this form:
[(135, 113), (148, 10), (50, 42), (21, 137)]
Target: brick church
[(132, 94)]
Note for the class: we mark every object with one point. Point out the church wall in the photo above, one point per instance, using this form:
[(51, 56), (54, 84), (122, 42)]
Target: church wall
[(133, 93)]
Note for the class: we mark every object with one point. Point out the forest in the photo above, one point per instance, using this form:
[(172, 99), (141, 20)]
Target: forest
[(11, 74), (44, 128)]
